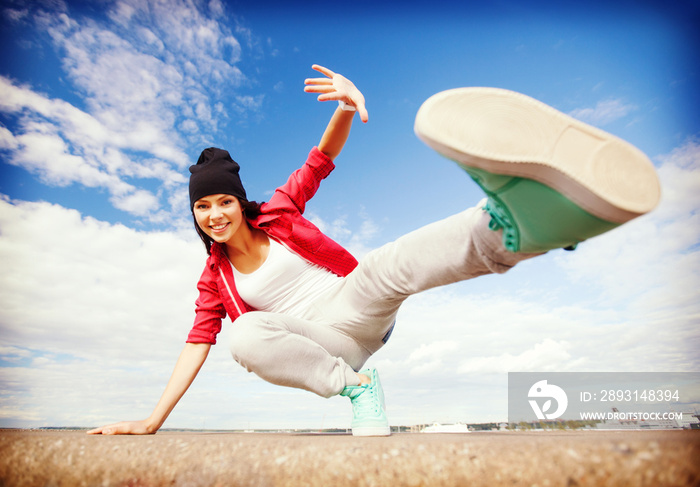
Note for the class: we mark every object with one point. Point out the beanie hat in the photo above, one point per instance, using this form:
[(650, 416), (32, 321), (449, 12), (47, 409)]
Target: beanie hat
[(215, 173)]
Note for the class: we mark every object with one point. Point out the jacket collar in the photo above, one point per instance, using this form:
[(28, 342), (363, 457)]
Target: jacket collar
[(218, 255)]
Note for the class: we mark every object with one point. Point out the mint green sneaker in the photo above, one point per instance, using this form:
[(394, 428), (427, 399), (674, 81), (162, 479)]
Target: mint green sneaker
[(368, 412), (551, 180)]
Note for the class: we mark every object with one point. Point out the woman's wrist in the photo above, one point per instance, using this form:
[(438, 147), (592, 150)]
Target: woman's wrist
[(345, 107), (152, 425)]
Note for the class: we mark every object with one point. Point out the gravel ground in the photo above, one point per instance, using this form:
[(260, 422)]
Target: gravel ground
[(573, 458)]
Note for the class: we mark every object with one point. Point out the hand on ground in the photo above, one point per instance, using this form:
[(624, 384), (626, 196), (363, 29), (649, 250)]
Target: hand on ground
[(123, 428)]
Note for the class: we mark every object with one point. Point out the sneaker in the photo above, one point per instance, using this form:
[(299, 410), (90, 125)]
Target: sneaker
[(368, 413), (552, 181)]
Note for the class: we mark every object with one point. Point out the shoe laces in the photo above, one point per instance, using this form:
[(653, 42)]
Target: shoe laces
[(500, 218), (367, 402)]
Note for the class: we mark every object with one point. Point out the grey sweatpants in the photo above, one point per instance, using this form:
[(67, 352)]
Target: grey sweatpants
[(321, 350)]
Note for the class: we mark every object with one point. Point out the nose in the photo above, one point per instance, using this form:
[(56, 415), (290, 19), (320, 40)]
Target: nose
[(215, 213)]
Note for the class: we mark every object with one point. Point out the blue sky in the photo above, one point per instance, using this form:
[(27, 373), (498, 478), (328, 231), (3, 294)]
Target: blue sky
[(104, 104)]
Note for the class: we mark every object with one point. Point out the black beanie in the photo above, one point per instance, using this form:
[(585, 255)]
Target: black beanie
[(215, 173)]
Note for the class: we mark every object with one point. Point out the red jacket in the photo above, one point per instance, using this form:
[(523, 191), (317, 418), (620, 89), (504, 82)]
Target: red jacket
[(282, 220)]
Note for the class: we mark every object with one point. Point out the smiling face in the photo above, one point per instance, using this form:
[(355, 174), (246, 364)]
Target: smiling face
[(219, 216)]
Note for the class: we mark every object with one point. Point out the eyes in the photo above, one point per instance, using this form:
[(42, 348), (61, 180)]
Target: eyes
[(205, 205)]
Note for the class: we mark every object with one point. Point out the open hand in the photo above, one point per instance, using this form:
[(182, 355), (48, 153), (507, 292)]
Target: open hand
[(336, 87), (123, 428)]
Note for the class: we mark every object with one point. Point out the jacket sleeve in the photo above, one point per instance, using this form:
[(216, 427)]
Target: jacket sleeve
[(209, 310), (303, 183)]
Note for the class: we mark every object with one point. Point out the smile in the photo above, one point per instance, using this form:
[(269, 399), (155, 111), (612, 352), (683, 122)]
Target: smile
[(218, 228)]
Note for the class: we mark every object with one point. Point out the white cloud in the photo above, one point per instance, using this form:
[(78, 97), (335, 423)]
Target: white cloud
[(432, 351), (188, 35), (14, 354), (46, 154), (605, 112), (138, 203), (216, 8), (149, 69), (428, 358), (248, 102), (92, 313), (63, 145), (15, 15), (7, 140), (549, 355), (357, 241), (653, 258), (72, 284)]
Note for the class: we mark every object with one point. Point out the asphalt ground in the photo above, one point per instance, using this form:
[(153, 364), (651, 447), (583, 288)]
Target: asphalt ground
[(549, 458)]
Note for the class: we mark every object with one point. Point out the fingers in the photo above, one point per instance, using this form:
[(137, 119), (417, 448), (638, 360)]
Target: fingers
[(323, 70), (323, 88), (318, 81), (123, 428), (104, 430), (328, 93), (319, 85), (336, 87), (364, 116)]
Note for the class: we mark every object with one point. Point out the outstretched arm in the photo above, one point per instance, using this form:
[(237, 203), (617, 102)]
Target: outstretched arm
[(336, 87), (186, 369)]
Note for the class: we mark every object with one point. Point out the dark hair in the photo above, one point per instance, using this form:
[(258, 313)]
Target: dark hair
[(251, 210)]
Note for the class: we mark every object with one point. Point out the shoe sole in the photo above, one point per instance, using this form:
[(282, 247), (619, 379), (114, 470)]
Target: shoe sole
[(372, 431), (511, 134)]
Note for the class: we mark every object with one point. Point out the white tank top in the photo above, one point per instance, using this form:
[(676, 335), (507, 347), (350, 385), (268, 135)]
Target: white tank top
[(284, 283)]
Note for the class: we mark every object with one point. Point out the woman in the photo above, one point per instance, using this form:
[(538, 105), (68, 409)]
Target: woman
[(308, 315)]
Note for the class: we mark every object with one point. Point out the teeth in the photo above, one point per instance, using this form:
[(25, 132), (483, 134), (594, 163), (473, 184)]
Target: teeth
[(219, 227)]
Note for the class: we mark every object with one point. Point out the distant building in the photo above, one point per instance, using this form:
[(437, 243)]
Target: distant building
[(690, 421), (446, 428)]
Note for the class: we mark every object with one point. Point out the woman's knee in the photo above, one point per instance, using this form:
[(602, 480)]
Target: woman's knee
[(247, 337)]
